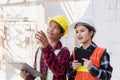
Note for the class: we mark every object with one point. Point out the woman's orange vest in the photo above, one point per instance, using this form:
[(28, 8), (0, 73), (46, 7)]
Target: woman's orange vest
[(82, 72)]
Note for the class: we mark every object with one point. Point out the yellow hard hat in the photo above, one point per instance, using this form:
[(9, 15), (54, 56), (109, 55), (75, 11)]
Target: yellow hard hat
[(62, 21)]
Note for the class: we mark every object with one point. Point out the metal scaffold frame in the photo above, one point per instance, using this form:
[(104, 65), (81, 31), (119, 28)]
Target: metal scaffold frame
[(31, 2)]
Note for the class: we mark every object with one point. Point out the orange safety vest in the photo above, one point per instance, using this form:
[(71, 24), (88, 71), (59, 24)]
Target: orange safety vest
[(82, 72)]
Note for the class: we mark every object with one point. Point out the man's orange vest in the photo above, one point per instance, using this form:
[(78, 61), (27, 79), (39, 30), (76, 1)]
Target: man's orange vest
[(82, 72)]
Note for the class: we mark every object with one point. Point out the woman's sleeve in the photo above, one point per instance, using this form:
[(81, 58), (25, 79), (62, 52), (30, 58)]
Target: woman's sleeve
[(105, 70), (70, 71)]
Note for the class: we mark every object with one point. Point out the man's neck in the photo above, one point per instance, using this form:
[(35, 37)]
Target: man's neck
[(53, 43)]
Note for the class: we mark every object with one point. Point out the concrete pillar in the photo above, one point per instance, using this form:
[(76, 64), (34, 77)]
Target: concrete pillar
[(2, 55)]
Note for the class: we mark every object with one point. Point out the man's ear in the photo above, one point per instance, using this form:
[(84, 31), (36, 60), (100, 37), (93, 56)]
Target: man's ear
[(61, 35)]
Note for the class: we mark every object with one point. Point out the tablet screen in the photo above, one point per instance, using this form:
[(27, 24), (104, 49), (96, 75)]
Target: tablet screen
[(81, 53)]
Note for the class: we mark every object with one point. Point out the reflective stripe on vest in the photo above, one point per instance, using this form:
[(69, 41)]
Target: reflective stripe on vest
[(49, 75), (82, 68), (82, 73), (38, 60), (38, 57)]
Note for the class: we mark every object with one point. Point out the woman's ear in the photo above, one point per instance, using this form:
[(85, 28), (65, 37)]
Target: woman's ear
[(91, 33)]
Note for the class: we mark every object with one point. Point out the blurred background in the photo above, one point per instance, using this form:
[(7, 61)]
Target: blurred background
[(20, 19)]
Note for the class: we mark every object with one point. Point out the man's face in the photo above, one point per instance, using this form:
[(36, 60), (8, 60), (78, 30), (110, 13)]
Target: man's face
[(54, 31)]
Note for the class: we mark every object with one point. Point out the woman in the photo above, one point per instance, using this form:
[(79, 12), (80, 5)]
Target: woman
[(52, 59), (97, 66)]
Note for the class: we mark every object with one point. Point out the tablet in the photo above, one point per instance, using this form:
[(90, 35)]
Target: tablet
[(81, 53), (25, 67)]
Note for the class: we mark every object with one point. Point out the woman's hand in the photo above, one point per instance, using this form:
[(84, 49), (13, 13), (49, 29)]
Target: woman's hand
[(87, 63), (76, 64), (40, 35), (24, 74)]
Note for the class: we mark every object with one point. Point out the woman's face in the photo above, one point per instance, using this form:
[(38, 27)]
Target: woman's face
[(54, 31), (83, 34)]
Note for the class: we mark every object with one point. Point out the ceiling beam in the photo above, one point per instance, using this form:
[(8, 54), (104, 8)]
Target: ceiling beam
[(29, 3)]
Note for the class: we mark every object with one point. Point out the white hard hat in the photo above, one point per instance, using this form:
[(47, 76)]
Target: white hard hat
[(84, 20)]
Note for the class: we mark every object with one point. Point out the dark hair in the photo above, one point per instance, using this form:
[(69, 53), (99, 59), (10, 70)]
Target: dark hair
[(62, 30), (90, 28)]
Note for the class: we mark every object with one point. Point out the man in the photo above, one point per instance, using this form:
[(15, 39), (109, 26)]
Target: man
[(54, 58)]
